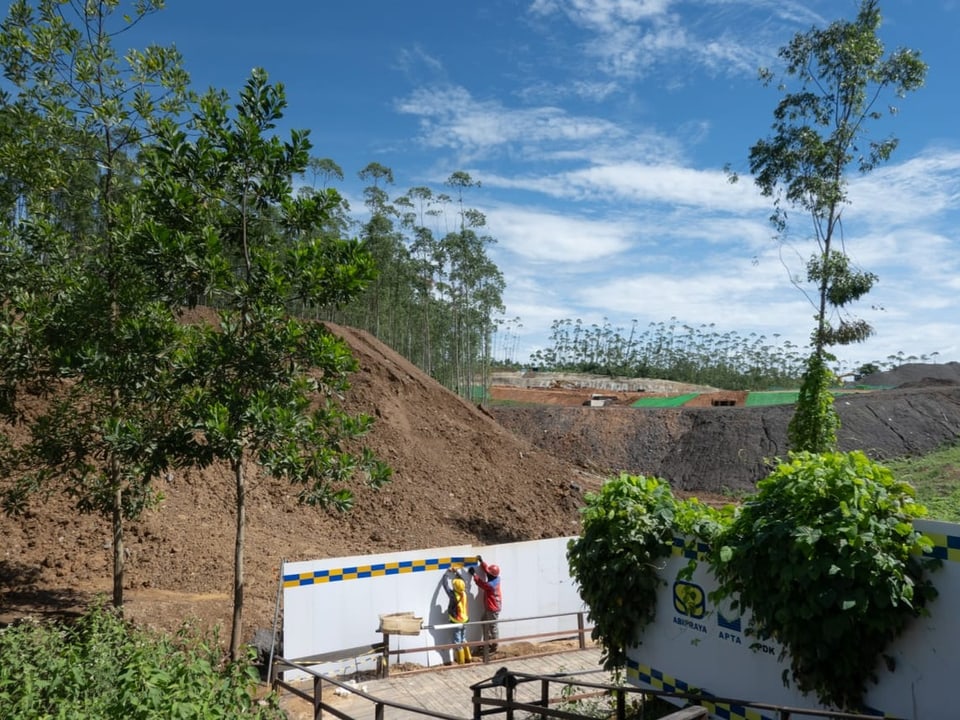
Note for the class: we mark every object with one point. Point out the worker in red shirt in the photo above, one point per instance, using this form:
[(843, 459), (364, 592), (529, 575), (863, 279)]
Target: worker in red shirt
[(488, 580)]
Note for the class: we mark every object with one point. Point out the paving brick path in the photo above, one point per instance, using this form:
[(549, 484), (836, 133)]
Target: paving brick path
[(447, 689)]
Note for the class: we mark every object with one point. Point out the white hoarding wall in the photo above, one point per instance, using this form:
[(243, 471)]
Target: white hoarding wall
[(332, 606), (694, 644)]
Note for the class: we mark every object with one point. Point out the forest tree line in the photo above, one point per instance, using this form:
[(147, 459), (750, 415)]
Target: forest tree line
[(437, 293)]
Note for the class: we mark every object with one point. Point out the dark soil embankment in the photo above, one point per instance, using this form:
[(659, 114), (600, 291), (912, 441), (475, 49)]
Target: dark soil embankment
[(715, 450)]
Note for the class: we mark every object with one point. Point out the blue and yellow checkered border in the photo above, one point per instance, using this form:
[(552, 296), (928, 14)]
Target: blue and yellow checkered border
[(689, 548), (657, 680), (361, 572), (945, 547)]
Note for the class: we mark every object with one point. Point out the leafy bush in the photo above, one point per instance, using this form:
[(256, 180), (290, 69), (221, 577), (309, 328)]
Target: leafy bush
[(628, 530), (826, 558), (100, 667)]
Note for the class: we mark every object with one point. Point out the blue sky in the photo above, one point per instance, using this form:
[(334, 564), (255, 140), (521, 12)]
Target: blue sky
[(599, 130)]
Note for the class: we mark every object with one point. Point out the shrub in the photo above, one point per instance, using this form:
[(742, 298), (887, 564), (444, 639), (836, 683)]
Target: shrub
[(101, 667), (627, 531), (826, 558)]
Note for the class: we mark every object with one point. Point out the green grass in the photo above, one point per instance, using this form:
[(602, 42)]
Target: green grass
[(936, 477), (759, 398)]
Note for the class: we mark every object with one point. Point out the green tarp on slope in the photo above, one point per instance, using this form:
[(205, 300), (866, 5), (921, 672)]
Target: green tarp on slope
[(773, 397), (660, 402)]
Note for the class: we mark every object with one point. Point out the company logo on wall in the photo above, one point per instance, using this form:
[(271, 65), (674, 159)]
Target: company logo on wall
[(689, 599), (690, 606), (729, 625), (690, 603), (729, 620)]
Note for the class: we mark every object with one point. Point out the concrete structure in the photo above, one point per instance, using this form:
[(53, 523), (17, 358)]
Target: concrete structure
[(335, 604)]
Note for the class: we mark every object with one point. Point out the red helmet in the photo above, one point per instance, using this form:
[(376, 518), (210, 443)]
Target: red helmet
[(493, 570)]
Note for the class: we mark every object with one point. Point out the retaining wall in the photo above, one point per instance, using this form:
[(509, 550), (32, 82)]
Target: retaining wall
[(706, 647), (334, 604)]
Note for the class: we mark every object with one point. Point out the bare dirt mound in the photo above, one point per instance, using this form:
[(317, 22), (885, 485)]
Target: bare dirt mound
[(459, 477), (916, 374)]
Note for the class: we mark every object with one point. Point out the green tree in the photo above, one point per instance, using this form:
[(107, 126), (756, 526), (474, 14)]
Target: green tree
[(386, 301), (320, 173), (474, 286), (262, 383), (427, 261), (835, 80), (867, 369), (437, 290), (82, 324)]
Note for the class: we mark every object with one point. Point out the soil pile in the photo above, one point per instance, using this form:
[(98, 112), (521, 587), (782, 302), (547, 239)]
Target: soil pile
[(915, 375), (459, 478)]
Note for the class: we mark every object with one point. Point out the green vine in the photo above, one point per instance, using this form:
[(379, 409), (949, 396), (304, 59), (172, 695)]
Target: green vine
[(627, 533), (824, 555), (826, 558), (814, 425)]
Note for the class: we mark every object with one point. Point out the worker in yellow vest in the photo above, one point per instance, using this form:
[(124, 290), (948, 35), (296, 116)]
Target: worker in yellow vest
[(457, 613)]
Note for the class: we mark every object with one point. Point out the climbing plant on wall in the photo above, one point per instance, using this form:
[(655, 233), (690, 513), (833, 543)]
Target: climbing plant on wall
[(628, 532), (828, 542)]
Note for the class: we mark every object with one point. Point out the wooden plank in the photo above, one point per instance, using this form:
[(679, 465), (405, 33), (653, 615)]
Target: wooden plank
[(688, 713)]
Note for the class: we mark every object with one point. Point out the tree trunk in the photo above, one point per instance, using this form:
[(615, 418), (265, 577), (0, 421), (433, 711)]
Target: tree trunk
[(118, 555), (237, 631)]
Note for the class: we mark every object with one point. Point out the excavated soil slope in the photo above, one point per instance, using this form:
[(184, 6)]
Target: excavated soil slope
[(723, 449), (459, 477)]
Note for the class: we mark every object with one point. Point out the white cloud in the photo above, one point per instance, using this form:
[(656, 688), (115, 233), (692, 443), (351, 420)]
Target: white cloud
[(913, 192), (666, 184), (548, 237), (725, 55), (415, 61), (603, 15), (451, 118), (630, 39), (594, 89)]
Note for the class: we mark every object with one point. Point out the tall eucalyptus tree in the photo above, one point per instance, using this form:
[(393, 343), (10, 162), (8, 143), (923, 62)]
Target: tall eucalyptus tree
[(835, 80)]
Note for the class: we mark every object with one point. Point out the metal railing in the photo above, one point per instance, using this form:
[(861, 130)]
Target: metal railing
[(579, 632), (542, 698), (315, 698), (510, 682)]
